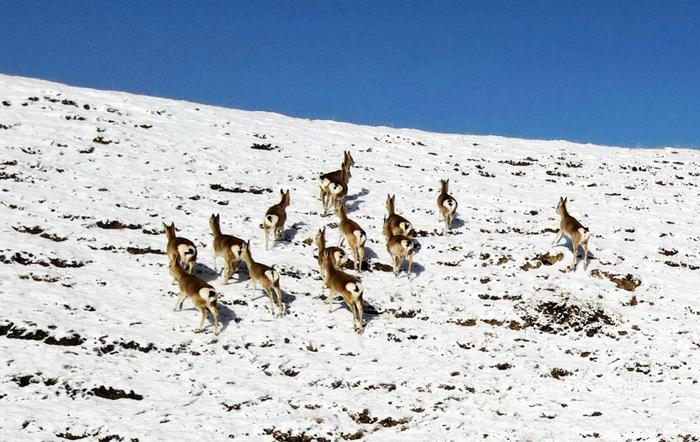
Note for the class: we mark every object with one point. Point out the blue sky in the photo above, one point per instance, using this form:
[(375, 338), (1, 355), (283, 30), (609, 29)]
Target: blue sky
[(608, 72)]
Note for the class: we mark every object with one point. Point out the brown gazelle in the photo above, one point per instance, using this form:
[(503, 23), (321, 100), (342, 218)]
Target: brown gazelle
[(347, 286), (396, 224), (336, 191), (202, 295), (447, 205), (353, 233), (266, 276), (578, 234), (181, 249), (227, 246), (336, 254), (275, 217), (400, 247), (341, 175)]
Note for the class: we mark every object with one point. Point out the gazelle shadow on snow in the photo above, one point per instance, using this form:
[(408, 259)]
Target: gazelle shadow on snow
[(567, 244), (457, 223), (206, 273), (369, 311), (355, 201), (226, 315), (417, 269), (290, 233), (370, 254)]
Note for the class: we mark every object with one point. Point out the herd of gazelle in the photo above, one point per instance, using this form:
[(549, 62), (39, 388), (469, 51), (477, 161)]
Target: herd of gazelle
[(398, 232)]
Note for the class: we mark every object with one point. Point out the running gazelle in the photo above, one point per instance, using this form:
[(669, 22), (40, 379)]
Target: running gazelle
[(181, 249), (447, 205), (266, 276), (353, 233), (202, 295), (348, 287), (227, 246), (578, 234), (275, 217)]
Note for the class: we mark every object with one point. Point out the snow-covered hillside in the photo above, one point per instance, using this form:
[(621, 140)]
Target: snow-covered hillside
[(491, 339)]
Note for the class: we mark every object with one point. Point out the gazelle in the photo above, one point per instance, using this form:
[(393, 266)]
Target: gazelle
[(447, 205), (202, 295), (181, 249), (335, 254), (347, 286), (396, 224), (400, 247), (227, 246), (578, 234), (266, 276), (336, 177), (335, 191), (353, 233), (275, 217)]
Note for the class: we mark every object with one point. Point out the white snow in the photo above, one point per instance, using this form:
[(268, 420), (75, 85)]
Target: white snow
[(418, 372)]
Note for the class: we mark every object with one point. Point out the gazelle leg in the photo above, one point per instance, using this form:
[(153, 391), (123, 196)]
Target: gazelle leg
[(351, 306), (179, 301), (280, 303), (585, 255), (272, 303), (215, 317), (329, 301), (410, 265), (558, 238), (574, 247), (267, 234), (361, 258), (360, 312), (202, 317)]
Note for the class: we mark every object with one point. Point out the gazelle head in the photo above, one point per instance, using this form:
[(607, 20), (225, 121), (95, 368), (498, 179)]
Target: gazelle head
[(284, 198), (340, 210), (169, 230), (443, 185), (321, 239), (175, 268), (390, 204), (561, 206), (245, 251), (214, 223), (348, 162), (347, 159)]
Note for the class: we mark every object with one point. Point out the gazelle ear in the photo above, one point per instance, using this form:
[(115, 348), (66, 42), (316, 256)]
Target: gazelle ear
[(566, 199)]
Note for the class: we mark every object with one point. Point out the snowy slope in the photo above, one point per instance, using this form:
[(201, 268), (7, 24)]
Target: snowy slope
[(485, 341)]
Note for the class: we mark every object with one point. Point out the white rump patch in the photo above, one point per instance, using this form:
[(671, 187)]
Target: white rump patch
[(406, 227), (325, 182), (236, 250), (585, 234), (407, 244), (340, 257), (272, 275), (270, 220), (354, 287), (207, 293), (361, 237), (450, 204), (335, 188), (185, 250)]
